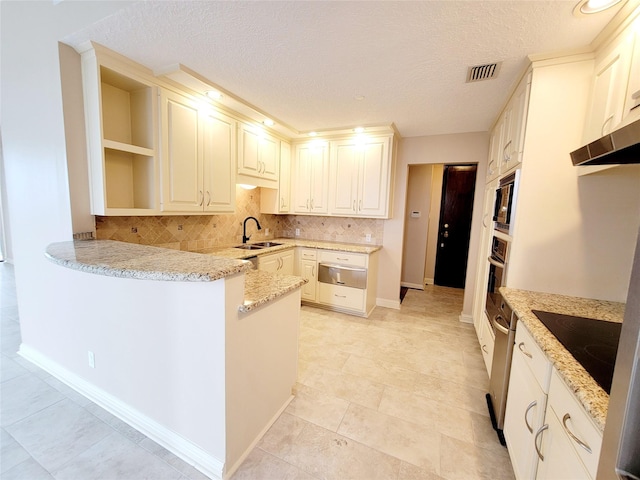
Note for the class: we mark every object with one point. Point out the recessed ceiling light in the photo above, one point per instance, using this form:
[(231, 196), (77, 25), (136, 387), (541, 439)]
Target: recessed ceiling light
[(313, 134), (586, 7), (214, 94), (268, 122), (358, 129)]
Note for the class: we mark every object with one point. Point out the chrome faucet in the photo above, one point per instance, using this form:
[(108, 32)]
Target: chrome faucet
[(246, 238)]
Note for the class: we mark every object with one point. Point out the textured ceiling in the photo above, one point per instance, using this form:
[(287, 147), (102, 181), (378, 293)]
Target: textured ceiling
[(304, 62)]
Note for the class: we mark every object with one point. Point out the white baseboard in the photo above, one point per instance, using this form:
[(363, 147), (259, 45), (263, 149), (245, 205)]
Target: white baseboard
[(417, 286), (429, 281), (183, 448), (383, 302), (464, 318)]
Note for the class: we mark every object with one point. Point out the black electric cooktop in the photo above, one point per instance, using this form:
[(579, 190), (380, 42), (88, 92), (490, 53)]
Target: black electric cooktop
[(593, 343)]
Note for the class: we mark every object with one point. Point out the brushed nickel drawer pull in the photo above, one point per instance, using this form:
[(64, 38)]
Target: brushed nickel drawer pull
[(484, 349), (570, 433), (523, 350)]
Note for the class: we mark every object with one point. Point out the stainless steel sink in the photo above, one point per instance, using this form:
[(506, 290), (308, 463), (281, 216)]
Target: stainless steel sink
[(247, 246), (267, 244)]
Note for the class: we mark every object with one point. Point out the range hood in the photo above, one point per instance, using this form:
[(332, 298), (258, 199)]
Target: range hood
[(619, 147)]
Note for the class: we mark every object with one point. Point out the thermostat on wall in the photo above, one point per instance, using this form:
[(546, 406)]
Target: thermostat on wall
[(415, 214)]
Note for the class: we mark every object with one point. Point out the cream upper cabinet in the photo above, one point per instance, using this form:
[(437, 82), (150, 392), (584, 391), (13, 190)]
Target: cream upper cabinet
[(632, 100), (121, 124), (258, 153), (311, 177), (198, 149), (278, 200), (515, 121), (495, 143), (608, 89), (360, 177)]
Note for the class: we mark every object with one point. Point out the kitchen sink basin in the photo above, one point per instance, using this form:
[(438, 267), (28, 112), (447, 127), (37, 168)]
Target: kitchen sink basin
[(247, 246), (267, 244)]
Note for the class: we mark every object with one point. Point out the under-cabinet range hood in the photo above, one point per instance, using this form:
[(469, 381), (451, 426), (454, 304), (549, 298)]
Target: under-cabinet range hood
[(619, 147)]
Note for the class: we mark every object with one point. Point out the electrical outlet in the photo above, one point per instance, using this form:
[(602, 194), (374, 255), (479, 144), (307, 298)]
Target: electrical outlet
[(92, 359), (368, 237), (266, 232), (297, 232)]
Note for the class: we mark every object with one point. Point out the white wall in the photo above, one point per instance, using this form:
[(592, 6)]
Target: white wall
[(450, 149), (416, 228), (33, 137), (573, 235)]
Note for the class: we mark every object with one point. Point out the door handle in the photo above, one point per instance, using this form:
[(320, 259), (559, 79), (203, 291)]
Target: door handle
[(535, 441), (526, 412)]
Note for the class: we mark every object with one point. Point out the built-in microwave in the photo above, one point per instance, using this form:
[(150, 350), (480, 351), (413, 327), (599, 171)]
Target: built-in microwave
[(506, 202)]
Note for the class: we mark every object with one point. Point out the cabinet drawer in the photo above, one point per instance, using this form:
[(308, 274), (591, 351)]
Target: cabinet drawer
[(344, 258), (486, 342), (527, 348), (308, 254), (563, 403), (344, 297)]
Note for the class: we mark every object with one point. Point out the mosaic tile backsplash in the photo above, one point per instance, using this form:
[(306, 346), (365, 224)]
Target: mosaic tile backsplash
[(195, 232)]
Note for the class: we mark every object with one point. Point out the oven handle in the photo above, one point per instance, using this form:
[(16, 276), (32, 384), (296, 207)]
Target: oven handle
[(496, 263), (499, 327)]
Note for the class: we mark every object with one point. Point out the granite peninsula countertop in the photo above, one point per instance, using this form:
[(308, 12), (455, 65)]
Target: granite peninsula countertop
[(594, 399), (131, 260), (262, 287)]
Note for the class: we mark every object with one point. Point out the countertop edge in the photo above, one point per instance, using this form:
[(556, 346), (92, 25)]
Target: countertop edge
[(141, 262), (591, 396), (266, 287)]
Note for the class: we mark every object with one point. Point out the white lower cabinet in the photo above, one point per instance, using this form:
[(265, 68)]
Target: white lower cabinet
[(569, 442), (343, 298), (526, 404), (279, 262), (308, 269)]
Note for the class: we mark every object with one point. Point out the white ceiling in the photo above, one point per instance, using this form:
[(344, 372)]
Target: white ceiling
[(304, 62)]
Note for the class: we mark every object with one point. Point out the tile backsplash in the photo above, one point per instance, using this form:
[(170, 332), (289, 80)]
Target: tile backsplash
[(194, 232)]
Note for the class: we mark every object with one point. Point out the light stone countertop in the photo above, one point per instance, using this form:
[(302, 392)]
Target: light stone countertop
[(594, 399), (130, 260), (261, 287), (288, 243)]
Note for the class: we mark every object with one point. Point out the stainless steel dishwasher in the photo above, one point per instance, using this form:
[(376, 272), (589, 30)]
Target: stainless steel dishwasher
[(504, 326)]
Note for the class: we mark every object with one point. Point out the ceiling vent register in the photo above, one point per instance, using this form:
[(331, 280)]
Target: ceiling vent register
[(483, 72)]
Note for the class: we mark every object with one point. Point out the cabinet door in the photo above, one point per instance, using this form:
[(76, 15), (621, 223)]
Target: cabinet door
[(269, 263), (493, 167), (218, 152), (181, 161), (373, 188), (308, 271), (518, 108), (487, 342), (319, 186), (286, 262), (632, 101), (302, 175), (559, 458), (524, 415), (345, 161), (258, 153), (285, 178), (608, 90)]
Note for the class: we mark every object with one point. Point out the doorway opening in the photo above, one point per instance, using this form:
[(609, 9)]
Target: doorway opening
[(437, 225)]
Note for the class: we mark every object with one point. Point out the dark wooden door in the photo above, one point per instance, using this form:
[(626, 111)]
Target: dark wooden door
[(454, 230)]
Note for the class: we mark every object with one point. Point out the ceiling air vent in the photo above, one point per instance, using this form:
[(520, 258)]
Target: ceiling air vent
[(483, 72)]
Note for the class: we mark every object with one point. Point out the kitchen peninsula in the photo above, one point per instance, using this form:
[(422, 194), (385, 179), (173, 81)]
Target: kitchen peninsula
[(180, 355)]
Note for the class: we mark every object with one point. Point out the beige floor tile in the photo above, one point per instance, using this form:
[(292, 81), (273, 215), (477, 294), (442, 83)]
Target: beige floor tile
[(381, 371), (328, 455), (282, 434), (465, 460), (405, 440), (342, 385), (318, 407), (261, 465), (411, 472)]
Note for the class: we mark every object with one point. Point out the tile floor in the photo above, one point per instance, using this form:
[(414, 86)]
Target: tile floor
[(400, 395)]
